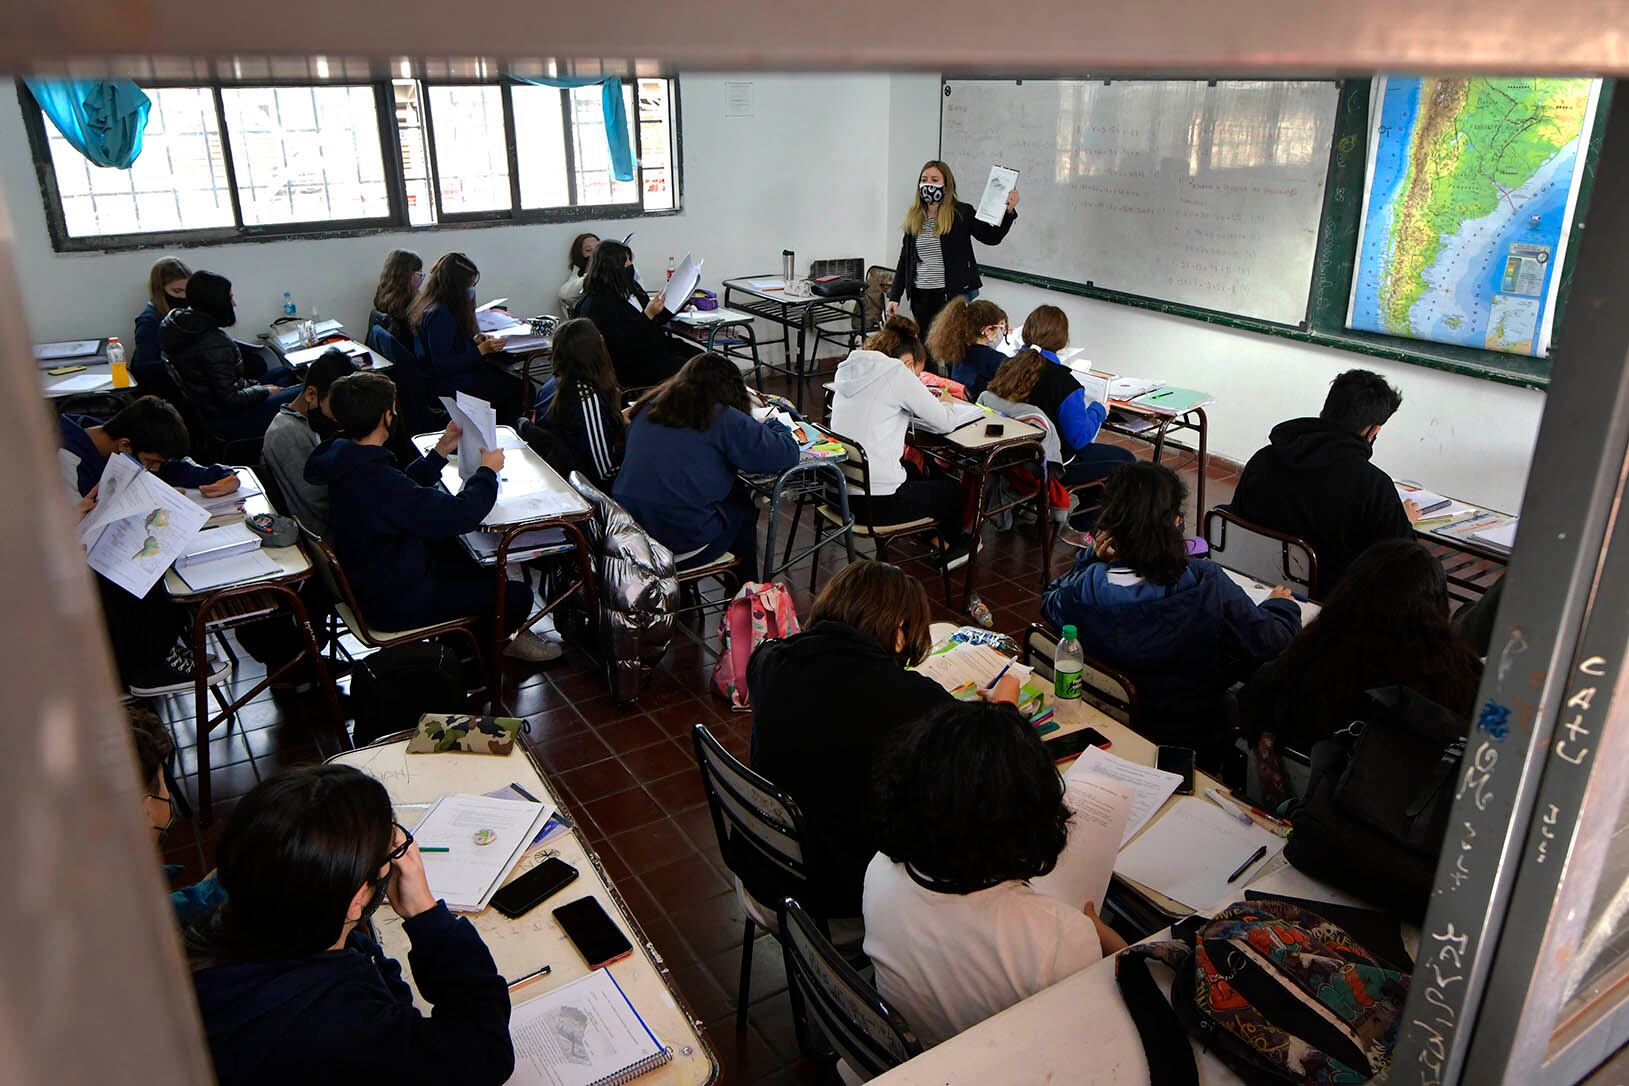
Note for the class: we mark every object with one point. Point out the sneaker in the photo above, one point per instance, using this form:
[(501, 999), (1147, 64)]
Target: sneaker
[(526, 645), (955, 556), (1074, 538), (176, 673)]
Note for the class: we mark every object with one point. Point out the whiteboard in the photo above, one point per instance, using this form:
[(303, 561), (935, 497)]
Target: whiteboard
[(1204, 194)]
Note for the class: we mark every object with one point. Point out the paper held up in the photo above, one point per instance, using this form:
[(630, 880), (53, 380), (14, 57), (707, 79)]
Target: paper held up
[(478, 429), (1099, 810), (993, 204), (683, 284)]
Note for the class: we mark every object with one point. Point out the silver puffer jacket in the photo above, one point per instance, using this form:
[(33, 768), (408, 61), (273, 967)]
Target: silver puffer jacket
[(637, 593)]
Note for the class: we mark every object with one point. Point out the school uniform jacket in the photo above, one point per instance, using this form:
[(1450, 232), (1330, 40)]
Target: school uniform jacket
[(641, 353), (208, 363), (590, 427), (451, 357), (956, 245), (976, 368), (1061, 399)]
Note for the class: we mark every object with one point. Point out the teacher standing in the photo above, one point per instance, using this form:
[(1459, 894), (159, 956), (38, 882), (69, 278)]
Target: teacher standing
[(936, 258)]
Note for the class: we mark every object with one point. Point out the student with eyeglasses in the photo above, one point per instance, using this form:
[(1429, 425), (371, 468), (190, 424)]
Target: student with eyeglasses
[(291, 982), (153, 749)]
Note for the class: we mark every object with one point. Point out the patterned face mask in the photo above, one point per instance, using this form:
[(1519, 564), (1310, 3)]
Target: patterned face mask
[(932, 194)]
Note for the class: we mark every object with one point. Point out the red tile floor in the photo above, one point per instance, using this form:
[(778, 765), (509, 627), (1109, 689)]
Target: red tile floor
[(628, 777)]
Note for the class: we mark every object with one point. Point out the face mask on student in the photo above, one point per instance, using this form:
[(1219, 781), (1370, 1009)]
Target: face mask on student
[(472, 294), (932, 194), (323, 426), (417, 281)]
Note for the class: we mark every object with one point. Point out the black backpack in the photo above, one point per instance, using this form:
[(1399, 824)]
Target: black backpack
[(392, 688), (1377, 805)]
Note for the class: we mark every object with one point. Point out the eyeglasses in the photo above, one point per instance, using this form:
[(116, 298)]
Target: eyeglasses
[(169, 805), (400, 850)]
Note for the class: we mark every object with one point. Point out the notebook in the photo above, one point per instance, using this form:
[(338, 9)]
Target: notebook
[(1428, 501), (1189, 853), (483, 839), (585, 1033), (1171, 400)]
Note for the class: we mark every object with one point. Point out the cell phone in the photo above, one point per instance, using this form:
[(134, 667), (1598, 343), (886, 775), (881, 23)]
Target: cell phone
[(1178, 760), (593, 932), (534, 888), (994, 429), (1067, 746)]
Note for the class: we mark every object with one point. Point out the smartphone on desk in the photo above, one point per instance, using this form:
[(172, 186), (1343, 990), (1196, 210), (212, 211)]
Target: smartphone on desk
[(592, 931), (534, 888), (1060, 747), (994, 429), (1178, 760)]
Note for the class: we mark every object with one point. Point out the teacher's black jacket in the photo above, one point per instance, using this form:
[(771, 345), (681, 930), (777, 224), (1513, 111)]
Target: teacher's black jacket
[(825, 703), (961, 270)]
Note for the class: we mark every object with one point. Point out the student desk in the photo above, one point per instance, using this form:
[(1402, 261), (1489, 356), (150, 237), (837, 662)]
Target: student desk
[(220, 608), (1166, 423), (521, 946), (532, 498), (702, 327), (1258, 591), (802, 315), (364, 357), (1466, 558), (96, 377)]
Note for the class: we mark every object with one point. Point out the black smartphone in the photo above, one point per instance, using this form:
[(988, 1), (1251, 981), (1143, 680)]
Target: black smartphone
[(994, 429), (534, 888), (593, 932), (1178, 760), (1060, 747)]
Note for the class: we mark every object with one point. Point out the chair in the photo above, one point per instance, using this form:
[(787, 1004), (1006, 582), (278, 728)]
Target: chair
[(879, 280), (760, 833), (421, 413), (726, 569), (1269, 556), (1103, 687), (868, 1035), (211, 446), (349, 611)]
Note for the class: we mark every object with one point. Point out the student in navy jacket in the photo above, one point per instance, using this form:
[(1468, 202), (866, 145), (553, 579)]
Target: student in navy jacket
[(291, 982), (166, 290), (629, 319), (688, 438), (395, 532), (581, 403), (1180, 628), (964, 337), (449, 344)]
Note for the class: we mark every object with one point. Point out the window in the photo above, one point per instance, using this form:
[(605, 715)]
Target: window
[(274, 159)]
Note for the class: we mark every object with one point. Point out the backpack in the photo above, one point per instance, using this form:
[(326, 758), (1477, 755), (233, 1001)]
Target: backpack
[(395, 686), (1378, 801), (1279, 993), (757, 613)]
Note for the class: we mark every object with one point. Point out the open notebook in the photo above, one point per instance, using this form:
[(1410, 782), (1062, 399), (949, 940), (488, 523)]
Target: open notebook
[(586, 1033)]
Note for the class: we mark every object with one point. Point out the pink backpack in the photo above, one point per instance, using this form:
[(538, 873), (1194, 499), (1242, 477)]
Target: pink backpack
[(757, 613)]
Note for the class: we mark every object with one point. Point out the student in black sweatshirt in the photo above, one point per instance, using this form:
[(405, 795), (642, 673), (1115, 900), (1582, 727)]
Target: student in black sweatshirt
[(396, 532), (237, 388), (1314, 479), (291, 981), (964, 337), (826, 702), (936, 256), (581, 403), (629, 319)]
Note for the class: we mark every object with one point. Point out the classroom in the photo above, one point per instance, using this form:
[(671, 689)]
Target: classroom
[(773, 548)]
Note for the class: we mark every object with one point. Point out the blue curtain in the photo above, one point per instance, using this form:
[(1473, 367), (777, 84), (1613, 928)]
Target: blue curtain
[(102, 119), (616, 116)]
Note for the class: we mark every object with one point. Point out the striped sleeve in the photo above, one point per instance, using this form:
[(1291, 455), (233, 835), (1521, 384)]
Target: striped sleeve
[(599, 442)]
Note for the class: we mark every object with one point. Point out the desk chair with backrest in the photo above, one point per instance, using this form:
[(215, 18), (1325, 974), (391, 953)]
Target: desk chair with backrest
[(760, 833), (421, 412), (1269, 556), (867, 1034), (1103, 687)]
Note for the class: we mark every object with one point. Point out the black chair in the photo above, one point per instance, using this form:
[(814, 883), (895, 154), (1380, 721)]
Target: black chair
[(1106, 688), (868, 1035), (421, 413), (1270, 556)]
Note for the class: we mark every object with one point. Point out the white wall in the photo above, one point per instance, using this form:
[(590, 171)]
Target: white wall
[(1459, 435), (800, 174)]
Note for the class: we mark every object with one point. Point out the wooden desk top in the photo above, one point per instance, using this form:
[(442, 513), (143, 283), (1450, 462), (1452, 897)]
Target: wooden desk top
[(292, 562)]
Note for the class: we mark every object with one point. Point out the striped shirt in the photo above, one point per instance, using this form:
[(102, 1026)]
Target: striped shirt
[(930, 260)]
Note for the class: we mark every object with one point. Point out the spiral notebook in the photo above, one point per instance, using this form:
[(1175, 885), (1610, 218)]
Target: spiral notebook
[(586, 1033)]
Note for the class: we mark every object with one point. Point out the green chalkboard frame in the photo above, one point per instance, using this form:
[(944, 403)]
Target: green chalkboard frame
[(1331, 285)]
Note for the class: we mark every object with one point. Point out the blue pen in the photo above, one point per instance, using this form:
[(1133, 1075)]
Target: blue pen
[(999, 674)]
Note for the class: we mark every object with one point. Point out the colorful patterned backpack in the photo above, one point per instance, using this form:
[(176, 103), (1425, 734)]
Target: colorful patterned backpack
[(757, 613), (1280, 994)]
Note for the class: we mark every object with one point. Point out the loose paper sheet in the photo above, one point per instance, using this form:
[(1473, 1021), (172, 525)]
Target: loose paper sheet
[(685, 279), (139, 528), (993, 204), (467, 875), (1150, 787), (1101, 808), (478, 429), (963, 664), (1189, 853)]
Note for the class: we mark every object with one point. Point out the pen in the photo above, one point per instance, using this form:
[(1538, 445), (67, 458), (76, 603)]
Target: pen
[(1240, 816), (999, 675), (434, 848), (1160, 395), (524, 793), (1254, 856), (533, 975), (1267, 821)]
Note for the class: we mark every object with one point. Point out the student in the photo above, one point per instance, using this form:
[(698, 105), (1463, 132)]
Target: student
[(166, 290), (1034, 376), (582, 249), (968, 808), (582, 404), (395, 532), (300, 426), (291, 982), (448, 342), (936, 257), (629, 319), (238, 394), (1314, 479), (688, 438), (150, 635), (879, 392), (1385, 624), (399, 284), (154, 748), (818, 738), (1180, 628), (964, 337)]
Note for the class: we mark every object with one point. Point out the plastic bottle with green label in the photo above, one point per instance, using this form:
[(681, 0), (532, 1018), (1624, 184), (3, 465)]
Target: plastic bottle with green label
[(1067, 665)]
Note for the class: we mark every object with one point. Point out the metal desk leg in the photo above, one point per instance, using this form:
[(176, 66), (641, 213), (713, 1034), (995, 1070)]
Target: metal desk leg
[(1203, 429), (585, 582)]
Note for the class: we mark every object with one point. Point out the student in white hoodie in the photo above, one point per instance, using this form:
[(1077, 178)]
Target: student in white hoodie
[(879, 392)]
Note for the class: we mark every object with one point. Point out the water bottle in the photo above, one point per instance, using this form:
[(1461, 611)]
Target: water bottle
[(671, 268), (115, 363), (1067, 665), (288, 305)]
